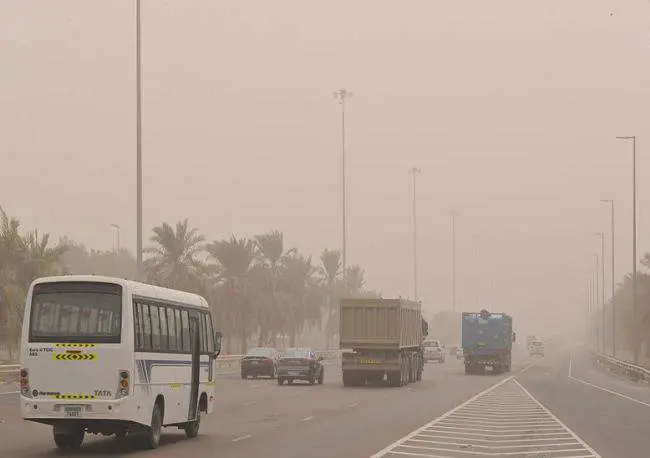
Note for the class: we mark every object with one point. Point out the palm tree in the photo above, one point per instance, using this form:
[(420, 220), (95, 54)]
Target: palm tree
[(174, 260), (235, 259), (22, 259), (354, 281), (302, 305), (271, 258)]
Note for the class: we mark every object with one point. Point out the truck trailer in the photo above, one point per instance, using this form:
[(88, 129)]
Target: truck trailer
[(381, 340), (487, 342)]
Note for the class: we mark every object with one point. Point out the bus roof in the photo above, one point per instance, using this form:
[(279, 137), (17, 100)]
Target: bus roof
[(136, 288)]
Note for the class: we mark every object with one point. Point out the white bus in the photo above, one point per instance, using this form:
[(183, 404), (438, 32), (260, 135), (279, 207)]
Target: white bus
[(109, 356)]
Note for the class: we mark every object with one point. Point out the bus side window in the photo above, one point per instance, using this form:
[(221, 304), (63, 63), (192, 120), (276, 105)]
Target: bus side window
[(179, 329), (146, 328), (155, 328), (171, 325), (202, 332), (164, 335), (208, 321), (186, 332), (137, 326)]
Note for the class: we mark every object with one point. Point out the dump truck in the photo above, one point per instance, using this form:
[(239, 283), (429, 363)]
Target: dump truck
[(487, 342), (381, 340)]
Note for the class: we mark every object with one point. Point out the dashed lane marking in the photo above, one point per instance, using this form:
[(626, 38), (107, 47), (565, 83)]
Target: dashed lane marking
[(250, 403), (311, 417), (503, 421), (242, 438)]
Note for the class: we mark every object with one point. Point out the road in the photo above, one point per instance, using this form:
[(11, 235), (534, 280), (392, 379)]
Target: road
[(559, 401)]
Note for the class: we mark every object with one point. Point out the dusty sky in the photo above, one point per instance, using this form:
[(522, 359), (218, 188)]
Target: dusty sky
[(509, 107)]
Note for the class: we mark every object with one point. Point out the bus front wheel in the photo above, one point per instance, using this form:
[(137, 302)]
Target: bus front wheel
[(70, 440)]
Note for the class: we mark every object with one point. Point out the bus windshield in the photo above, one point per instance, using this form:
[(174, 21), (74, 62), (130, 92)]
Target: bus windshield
[(76, 312)]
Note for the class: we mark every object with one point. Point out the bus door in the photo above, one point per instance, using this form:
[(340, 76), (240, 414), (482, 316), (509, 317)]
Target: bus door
[(195, 346)]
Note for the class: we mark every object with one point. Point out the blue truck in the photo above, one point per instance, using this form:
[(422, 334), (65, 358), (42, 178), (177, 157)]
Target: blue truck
[(487, 341)]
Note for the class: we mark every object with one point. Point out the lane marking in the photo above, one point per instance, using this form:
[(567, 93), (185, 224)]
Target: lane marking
[(250, 403), (241, 438), (570, 431), (387, 449), (10, 392), (353, 405), (601, 388), (311, 417), (459, 434)]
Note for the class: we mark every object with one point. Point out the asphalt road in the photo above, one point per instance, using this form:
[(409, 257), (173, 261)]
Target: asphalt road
[(258, 418)]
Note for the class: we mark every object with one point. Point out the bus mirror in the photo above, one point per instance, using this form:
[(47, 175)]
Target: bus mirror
[(217, 343)]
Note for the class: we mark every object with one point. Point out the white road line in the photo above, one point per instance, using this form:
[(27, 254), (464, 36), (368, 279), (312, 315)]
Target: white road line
[(10, 392), (575, 436), (606, 390), (387, 449), (241, 438), (353, 405), (311, 417), (250, 403), (460, 433)]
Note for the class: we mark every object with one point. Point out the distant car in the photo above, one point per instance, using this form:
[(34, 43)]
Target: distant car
[(260, 361), (433, 351), (536, 348), (453, 350), (529, 340), (300, 364)]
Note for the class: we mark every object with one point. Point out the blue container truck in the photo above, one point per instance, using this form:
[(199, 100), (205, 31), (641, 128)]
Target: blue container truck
[(487, 341)]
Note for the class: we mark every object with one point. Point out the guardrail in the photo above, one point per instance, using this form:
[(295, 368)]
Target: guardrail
[(223, 362), (625, 368)]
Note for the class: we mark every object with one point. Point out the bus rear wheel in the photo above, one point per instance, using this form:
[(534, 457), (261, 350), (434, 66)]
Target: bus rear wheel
[(192, 427), (151, 438), (69, 441)]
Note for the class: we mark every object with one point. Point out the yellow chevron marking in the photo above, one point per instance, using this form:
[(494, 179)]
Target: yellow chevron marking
[(74, 396), (78, 345), (74, 356)]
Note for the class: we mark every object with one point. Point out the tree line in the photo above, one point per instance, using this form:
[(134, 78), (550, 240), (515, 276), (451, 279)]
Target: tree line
[(260, 290), (632, 327)]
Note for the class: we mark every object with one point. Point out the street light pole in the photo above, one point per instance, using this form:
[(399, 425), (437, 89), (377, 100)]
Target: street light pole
[(596, 301), (117, 231), (602, 292), (634, 259), (613, 274), (453, 214), (342, 95), (138, 67), (414, 172)]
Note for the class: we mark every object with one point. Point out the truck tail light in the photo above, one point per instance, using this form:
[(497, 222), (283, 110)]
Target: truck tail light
[(24, 382), (124, 384)]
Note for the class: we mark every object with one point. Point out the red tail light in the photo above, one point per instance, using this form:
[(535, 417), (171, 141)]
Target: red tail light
[(268, 361), (24, 382)]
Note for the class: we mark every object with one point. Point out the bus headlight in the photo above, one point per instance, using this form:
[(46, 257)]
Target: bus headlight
[(123, 386), (24, 382)]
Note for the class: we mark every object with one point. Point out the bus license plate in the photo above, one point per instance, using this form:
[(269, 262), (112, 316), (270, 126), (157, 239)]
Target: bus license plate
[(73, 411)]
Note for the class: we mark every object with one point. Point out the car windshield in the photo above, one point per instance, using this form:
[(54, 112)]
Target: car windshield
[(296, 353), (260, 352)]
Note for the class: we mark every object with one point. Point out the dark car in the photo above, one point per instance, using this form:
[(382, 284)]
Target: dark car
[(300, 364), (260, 362)]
